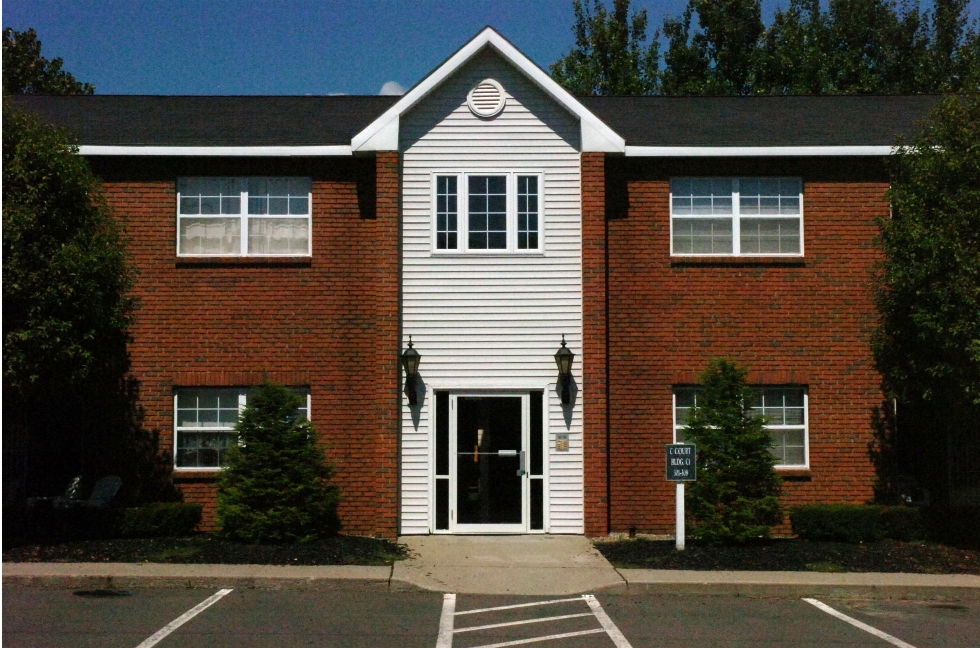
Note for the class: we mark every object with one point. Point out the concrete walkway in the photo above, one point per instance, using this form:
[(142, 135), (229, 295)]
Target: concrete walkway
[(515, 565)]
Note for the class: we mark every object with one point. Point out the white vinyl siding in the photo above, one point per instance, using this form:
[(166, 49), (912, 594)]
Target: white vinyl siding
[(492, 320)]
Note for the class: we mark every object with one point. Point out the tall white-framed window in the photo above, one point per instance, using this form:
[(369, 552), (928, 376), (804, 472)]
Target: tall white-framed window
[(488, 212), (785, 408), (204, 424), (255, 216), (736, 216)]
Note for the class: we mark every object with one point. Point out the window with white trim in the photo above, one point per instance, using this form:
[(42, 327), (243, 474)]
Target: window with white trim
[(736, 216), (785, 409), (258, 216), (204, 424), (487, 212)]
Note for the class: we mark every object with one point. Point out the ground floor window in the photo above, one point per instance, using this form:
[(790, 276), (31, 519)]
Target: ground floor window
[(204, 424), (785, 411)]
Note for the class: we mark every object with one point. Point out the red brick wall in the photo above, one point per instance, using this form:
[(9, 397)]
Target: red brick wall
[(594, 363), (801, 322), (329, 322)]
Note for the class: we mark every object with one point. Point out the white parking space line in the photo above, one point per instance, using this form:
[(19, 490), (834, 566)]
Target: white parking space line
[(163, 632), (518, 642), (445, 639), (520, 605), (526, 621), (858, 624), (607, 623)]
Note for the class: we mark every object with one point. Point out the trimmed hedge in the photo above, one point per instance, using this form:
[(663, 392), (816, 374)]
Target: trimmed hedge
[(46, 525), (857, 523)]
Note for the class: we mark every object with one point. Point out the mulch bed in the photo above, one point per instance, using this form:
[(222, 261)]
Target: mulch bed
[(795, 555), (206, 549)]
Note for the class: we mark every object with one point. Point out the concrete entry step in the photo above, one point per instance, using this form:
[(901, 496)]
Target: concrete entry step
[(529, 565)]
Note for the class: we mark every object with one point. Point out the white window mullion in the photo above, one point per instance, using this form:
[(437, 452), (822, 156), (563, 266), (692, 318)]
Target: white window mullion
[(736, 219), (511, 212), (244, 217)]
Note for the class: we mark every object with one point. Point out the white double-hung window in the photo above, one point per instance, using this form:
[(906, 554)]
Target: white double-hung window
[(736, 216), (487, 212), (785, 412), (257, 216), (205, 420)]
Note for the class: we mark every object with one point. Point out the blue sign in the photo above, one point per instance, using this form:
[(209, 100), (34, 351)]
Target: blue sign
[(682, 462)]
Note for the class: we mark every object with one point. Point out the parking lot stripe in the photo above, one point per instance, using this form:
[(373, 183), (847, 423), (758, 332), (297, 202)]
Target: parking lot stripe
[(445, 639), (607, 623), (563, 635), (521, 605), (857, 624), (162, 633), (525, 621)]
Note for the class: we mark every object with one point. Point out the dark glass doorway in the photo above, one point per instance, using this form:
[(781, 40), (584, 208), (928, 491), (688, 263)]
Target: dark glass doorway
[(490, 460)]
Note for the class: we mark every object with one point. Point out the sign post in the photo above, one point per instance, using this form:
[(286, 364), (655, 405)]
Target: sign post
[(681, 467)]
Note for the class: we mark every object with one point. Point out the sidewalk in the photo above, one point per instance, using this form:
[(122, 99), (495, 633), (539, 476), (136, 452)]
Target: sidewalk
[(514, 565)]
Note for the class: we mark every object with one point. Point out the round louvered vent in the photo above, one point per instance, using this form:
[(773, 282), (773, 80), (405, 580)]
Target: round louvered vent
[(487, 99)]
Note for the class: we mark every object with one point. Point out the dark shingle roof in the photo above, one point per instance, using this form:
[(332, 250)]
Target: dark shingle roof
[(133, 120), (129, 120), (761, 121)]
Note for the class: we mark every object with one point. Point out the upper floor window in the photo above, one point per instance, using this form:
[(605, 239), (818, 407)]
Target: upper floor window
[(785, 410), (480, 212), (256, 216), (736, 216)]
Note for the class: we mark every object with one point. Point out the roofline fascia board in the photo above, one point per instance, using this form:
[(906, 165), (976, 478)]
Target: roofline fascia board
[(758, 151), (389, 119), (218, 151)]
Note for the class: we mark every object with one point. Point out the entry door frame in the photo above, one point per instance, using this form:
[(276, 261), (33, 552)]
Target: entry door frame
[(525, 524)]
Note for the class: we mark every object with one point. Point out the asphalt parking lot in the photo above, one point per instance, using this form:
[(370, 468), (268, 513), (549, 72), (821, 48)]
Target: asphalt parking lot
[(246, 618)]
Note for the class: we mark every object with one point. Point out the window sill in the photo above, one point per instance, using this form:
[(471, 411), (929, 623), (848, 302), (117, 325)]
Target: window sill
[(736, 261), (794, 474), (193, 474), (245, 261)]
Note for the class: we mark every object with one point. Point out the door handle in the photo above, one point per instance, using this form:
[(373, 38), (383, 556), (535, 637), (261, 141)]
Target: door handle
[(521, 471)]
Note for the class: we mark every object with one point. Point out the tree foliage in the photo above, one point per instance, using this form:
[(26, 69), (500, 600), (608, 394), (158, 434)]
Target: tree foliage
[(722, 47), (927, 346), (69, 404), (736, 495), (610, 55), (276, 487), (25, 71)]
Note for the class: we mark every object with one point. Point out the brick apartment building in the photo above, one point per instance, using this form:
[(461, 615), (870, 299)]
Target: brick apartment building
[(487, 215)]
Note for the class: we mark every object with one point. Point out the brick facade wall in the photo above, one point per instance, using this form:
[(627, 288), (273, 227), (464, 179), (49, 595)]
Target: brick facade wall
[(803, 322), (329, 322)]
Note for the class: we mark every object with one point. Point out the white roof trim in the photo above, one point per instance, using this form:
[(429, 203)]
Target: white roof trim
[(229, 151), (385, 125), (755, 151)]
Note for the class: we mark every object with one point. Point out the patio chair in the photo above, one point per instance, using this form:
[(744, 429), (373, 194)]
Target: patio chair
[(72, 493), (102, 495)]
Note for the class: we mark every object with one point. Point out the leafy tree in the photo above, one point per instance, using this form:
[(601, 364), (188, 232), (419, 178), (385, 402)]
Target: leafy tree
[(793, 59), (721, 56), (927, 346), (69, 404), (25, 71), (276, 487), (736, 495), (609, 57)]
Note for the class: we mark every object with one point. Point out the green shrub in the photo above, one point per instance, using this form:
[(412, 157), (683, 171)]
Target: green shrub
[(736, 495), (276, 487), (857, 522), (159, 519), (958, 525)]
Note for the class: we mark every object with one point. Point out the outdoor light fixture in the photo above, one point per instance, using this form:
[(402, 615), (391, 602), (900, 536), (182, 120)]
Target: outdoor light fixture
[(410, 360), (564, 359)]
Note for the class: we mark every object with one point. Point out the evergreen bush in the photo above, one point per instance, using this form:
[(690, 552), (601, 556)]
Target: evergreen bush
[(736, 495), (276, 487)]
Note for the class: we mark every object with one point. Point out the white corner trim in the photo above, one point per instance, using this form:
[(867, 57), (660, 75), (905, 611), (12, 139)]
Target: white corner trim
[(756, 151), (384, 138), (489, 37), (227, 151)]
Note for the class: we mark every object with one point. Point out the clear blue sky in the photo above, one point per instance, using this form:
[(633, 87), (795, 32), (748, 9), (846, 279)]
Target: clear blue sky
[(288, 47)]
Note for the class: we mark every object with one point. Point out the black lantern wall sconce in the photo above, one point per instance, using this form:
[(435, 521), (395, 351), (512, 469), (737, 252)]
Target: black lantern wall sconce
[(410, 361), (564, 359)]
